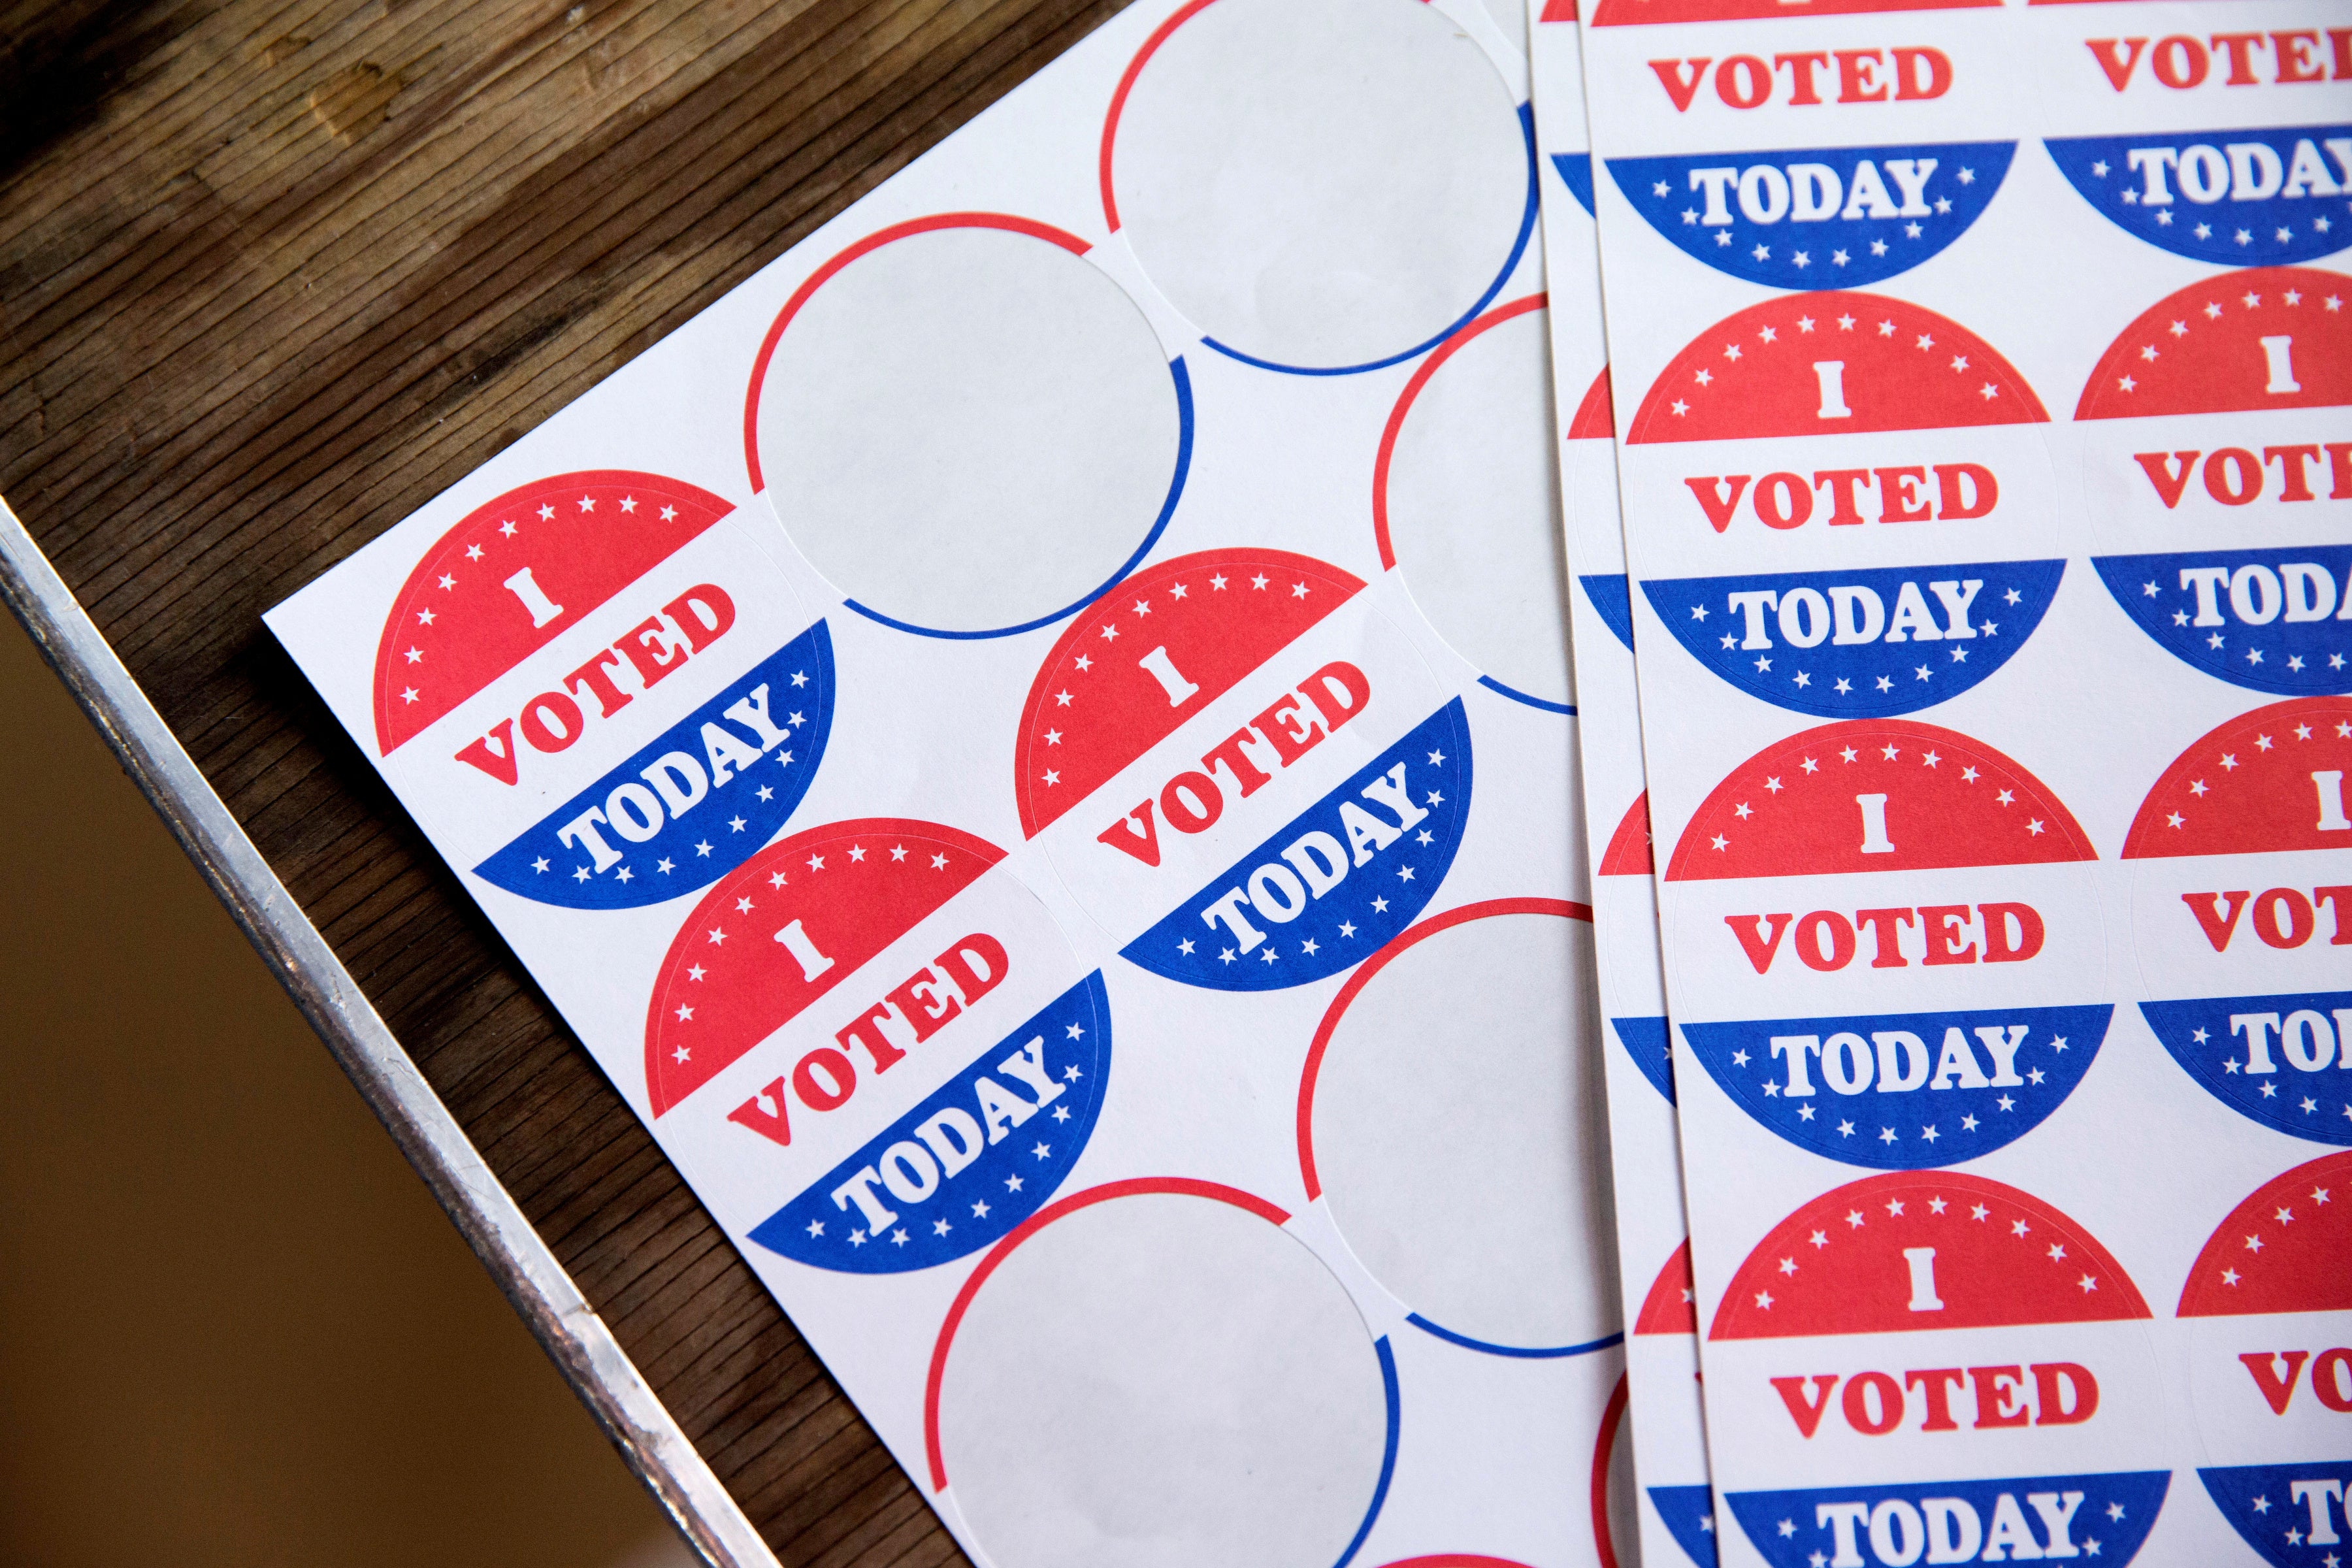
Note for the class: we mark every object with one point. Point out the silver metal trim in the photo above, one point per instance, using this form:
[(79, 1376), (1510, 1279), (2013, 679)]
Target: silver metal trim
[(591, 1360)]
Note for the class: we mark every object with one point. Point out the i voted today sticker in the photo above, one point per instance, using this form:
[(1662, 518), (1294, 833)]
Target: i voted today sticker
[(609, 686), (891, 1036), (2270, 1362), (2242, 887), (1242, 768)]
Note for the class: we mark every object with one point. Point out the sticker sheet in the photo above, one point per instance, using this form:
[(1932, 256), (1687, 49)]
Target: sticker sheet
[(1981, 374), (1667, 1439), (1033, 744)]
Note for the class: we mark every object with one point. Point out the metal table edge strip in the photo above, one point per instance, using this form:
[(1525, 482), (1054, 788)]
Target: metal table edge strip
[(599, 1371)]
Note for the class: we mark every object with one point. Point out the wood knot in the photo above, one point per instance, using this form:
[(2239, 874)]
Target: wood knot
[(352, 102)]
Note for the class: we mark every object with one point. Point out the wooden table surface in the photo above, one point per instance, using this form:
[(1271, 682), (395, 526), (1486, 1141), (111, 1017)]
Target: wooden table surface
[(273, 273)]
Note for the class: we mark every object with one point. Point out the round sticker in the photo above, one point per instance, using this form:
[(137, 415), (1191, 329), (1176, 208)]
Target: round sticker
[(1155, 1371), (600, 693), (2209, 433), (2270, 1361), (1465, 503), (1899, 917), (1459, 1066), (1313, 210), (897, 1048), (966, 425), (2241, 914), (1244, 770), (2236, 918)]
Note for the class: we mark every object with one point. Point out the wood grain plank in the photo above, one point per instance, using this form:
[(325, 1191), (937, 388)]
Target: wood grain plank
[(275, 273)]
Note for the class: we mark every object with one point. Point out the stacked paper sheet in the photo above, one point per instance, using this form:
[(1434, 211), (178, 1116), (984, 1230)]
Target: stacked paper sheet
[(1979, 374), (1035, 743)]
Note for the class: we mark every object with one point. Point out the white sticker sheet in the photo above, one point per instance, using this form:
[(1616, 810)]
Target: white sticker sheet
[(1674, 1506), (1982, 375), (1033, 742)]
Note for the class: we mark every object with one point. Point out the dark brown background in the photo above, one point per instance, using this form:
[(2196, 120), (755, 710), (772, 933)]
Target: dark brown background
[(274, 274), (235, 1329)]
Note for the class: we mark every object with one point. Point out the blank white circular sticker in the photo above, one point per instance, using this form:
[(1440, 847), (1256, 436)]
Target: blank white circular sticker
[(1320, 184), (969, 428), (1163, 1380), (1456, 1128), (1468, 498)]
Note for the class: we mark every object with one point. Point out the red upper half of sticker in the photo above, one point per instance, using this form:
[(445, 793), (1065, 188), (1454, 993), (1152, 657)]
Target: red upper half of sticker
[(1152, 652), (1669, 1307), (1923, 1249), (1596, 419), (1633, 13), (2270, 337), (2287, 1249), (2268, 780), (1833, 363), (1629, 853), (1875, 794), (787, 926), (514, 575)]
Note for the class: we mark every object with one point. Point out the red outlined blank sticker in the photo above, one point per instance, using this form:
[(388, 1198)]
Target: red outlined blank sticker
[(1318, 209), (1154, 1371), (966, 425), (1449, 1116), (1466, 503)]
